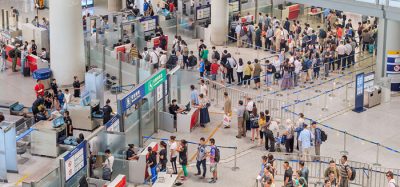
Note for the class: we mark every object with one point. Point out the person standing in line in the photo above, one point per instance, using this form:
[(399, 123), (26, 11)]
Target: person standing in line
[(238, 31), (249, 109), (256, 74), (107, 111), (183, 160), (298, 128), (227, 108), (391, 181), (201, 158), (288, 174), (341, 56), (230, 64), (3, 66), (289, 136), (194, 96), (257, 39), (203, 88), (241, 123), (262, 122), (108, 165), (214, 70), (33, 48), (239, 72), (152, 163), (204, 115), (68, 122), (77, 87), (318, 139), (303, 171), (269, 72), (134, 52), (202, 66), (163, 156), (305, 139), (54, 86), (17, 54), (254, 124), (247, 70), (173, 147), (345, 172), (213, 160)]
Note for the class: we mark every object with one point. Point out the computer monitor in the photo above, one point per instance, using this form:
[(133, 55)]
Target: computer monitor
[(57, 122), (187, 107)]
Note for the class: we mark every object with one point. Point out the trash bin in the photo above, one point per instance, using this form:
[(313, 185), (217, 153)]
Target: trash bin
[(44, 75), (373, 97)]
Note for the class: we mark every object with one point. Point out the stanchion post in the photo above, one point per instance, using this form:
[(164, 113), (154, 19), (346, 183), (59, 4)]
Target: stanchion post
[(333, 89), (346, 100), (235, 167), (325, 108), (377, 155), (344, 152)]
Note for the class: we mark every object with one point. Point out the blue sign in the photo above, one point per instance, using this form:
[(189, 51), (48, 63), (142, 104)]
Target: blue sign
[(75, 160), (132, 98), (113, 124), (359, 98)]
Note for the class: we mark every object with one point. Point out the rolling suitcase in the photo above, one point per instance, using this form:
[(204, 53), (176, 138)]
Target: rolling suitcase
[(27, 72)]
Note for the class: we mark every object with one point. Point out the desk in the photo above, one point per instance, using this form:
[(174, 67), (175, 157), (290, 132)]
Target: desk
[(137, 168), (44, 139), (186, 122), (165, 180)]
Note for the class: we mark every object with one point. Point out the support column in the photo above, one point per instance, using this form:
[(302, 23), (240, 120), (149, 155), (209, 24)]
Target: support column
[(388, 40), (114, 5), (219, 21), (66, 41)]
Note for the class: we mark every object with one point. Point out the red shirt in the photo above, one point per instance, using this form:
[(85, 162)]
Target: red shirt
[(39, 89), (339, 33), (214, 68), (171, 7)]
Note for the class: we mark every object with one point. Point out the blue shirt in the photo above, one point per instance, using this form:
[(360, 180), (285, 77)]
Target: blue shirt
[(201, 68), (305, 138), (194, 97)]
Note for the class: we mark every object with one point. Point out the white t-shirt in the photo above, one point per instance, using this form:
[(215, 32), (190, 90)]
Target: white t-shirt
[(274, 128), (172, 148), (109, 163), (249, 106), (297, 66), (154, 57), (67, 97), (163, 59), (203, 89)]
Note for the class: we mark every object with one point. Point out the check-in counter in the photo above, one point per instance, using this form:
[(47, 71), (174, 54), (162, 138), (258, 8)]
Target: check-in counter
[(45, 138), (137, 168), (188, 120)]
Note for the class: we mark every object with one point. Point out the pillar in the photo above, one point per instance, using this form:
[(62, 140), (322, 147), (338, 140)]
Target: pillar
[(219, 21), (114, 5), (66, 41)]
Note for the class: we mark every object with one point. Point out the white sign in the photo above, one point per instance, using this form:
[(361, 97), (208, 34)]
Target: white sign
[(74, 164)]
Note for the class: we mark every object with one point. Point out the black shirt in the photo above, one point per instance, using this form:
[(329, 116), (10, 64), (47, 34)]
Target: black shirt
[(163, 153), (288, 174), (130, 153), (48, 103), (152, 159), (173, 109), (68, 121), (77, 91), (183, 156), (54, 87), (107, 110)]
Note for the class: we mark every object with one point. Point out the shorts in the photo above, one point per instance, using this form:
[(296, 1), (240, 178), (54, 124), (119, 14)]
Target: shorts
[(213, 167), (257, 80)]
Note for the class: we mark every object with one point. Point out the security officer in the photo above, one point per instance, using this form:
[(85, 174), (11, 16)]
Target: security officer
[(130, 153), (107, 111)]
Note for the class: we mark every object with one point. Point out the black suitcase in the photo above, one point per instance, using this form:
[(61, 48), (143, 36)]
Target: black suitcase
[(27, 72)]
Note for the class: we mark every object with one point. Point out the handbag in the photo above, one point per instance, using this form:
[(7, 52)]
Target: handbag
[(107, 172)]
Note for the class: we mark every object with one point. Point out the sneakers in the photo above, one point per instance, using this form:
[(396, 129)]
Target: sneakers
[(212, 181), (227, 127)]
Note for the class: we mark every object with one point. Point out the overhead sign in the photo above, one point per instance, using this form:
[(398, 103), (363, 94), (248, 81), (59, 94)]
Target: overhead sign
[(155, 81), (359, 98), (203, 12), (234, 6), (137, 94), (75, 160)]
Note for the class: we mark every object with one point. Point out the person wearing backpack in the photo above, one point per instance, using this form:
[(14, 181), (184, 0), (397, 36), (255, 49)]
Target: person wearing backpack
[(214, 156), (345, 172), (391, 181), (318, 138)]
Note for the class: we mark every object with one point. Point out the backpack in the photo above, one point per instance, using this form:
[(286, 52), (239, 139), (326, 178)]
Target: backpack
[(217, 55), (147, 57), (395, 185), (353, 173), (11, 53), (298, 30), (217, 154), (324, 136), (322, 33)]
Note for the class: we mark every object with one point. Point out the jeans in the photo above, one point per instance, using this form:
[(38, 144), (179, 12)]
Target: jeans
[(268, 82), (240, 77), (230, 75), (296, 79), (289, 144), (340, 60), (153, 174), (214, 77), (203, 163), (3, 64), (185, 62)]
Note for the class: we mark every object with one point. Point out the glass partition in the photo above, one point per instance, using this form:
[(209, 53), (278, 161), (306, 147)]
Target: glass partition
[(52, 179)]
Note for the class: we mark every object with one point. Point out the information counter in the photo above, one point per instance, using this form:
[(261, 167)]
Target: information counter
[(187, 121)]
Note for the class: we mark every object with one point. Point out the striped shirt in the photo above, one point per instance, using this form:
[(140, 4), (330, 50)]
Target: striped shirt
[(343, 171)]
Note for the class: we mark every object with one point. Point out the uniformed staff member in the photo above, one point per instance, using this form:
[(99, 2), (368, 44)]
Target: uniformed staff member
[(107, 111), (77, 87), (130, 153), (68, 122)]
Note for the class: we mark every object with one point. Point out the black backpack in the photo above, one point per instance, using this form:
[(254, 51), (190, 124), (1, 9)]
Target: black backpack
[(217, 55), (324, 136), (353, 173), (217, 154), (11, 53), (322, 33)]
